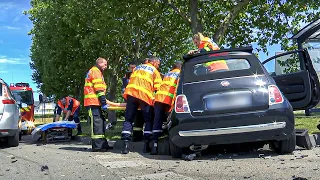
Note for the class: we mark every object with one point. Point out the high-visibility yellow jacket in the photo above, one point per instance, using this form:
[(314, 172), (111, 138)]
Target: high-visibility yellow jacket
[(144, 81), (94, 87), (207, 44), (168, 88)]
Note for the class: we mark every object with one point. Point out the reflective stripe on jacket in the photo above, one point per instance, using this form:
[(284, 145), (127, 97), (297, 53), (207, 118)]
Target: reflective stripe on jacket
[(207, 44), (168, 87), (144, 81), (75, 105), (94, 87)]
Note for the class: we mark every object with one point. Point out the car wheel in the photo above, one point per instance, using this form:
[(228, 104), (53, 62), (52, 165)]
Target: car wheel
[(13, 141), (175, 151), (285, 146)]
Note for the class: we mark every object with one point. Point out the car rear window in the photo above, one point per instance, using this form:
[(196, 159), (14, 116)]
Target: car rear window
[(237, 64), (220, 65)]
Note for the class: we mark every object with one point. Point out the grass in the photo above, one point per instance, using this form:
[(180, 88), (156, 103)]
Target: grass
[(113, 134), (307, 122)]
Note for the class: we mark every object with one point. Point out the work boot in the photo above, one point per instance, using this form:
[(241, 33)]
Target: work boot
[(125, 148), (146, 147), (137, 136), (154, 147)]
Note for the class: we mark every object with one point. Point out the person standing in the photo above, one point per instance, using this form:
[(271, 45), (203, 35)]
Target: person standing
[(144, 81), (137, 130), (95, 100), (163, 103)]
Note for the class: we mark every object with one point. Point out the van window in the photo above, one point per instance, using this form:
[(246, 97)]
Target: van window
[(220, 65)]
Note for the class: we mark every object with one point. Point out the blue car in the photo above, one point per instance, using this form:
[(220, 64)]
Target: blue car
[(242, 104)]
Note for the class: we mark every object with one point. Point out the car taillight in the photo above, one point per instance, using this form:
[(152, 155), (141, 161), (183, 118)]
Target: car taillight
[(275, 96), (181, 104), (8, 101)]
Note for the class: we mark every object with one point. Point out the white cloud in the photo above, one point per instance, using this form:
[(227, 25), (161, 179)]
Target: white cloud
[(10, 60), (6, 5), (10, 27)]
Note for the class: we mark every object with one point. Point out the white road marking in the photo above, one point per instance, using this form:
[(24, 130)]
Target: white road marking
[(159, 176)]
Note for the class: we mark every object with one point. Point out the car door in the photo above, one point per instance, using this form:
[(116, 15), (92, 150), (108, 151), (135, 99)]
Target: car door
[(296, 77)]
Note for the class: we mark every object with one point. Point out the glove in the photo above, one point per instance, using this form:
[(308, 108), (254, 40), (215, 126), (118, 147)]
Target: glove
[(109, 126), (105, 107)]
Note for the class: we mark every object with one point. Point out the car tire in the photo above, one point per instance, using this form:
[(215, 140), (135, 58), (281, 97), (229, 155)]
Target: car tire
[(175, 151), (13, 141), (285, 146)]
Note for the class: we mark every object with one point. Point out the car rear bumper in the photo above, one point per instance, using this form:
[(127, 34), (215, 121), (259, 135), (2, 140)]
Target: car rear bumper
[(8, 132), (237, 128), (233, 130)]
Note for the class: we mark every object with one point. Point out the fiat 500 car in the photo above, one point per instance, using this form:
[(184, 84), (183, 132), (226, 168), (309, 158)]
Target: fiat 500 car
[(242, 103)]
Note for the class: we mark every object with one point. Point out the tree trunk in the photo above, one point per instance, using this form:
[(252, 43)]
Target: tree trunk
[(112, 96), (222, 30), (195, 23)]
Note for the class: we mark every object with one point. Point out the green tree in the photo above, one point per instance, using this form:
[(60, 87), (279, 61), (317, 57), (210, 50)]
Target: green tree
[(68, 35)]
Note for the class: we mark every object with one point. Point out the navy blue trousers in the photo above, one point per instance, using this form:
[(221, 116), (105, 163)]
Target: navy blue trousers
[(131, 110)]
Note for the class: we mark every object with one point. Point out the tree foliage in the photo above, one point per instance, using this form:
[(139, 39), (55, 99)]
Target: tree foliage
[(68, 35)]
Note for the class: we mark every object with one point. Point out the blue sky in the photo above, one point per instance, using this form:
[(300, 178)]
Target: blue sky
[(15, 43)]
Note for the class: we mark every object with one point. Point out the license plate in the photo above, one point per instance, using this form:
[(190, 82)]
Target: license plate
[(228, 100)]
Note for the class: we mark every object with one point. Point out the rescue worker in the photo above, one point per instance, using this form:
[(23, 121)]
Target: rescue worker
[(71, 110), (95, 100), (163, 103), (203, 43), (206, 44), (137, 131), (144, 81)]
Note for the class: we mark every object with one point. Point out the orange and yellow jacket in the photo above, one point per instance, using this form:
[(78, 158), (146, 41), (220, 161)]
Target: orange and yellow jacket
[(168, 87), (94, 88), (71, 105), (144, 81), (207, 44)]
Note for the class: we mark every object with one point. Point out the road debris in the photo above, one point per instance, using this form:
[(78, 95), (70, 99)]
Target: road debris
[(298, 178), (214, 159), (44, 168), (262, 156), (189, 157), (13, 161)]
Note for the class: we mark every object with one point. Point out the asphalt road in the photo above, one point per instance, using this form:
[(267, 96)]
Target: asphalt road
[(75, 161)]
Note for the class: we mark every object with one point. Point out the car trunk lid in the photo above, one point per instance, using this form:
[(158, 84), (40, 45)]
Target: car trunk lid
[(227, 96)]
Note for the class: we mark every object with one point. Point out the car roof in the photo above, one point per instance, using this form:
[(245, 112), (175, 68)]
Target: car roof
[(247, 49)]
